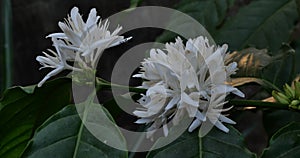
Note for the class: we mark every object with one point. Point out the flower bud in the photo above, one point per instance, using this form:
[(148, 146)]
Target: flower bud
[(295, 102), (280, 97), (290, 93)]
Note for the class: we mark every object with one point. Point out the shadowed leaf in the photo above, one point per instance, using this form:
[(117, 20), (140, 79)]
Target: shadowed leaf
[(284, 143), (66, 134), (209, 13), (23, 109), (214, 144), (262, 23)]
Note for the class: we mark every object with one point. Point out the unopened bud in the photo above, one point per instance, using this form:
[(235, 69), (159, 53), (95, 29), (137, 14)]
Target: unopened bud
[(280, 97), (290, 93), (295, 103)]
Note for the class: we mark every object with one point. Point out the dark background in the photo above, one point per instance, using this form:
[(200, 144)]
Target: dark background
[(33, 20)]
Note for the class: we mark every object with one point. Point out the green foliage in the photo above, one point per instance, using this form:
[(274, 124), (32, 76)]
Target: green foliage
[(284, 143), (210, 13), (274, 120), (22, 110), (255, 24), (214, 144), (65, 134), (113, 105), (282, 69), (262, 23)]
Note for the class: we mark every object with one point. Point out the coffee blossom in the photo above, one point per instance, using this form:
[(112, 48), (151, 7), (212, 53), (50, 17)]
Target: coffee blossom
[(188, 79), (84, 41)]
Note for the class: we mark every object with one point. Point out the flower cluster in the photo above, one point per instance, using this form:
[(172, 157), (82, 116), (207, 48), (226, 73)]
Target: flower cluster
[(84, 41), (188, 80), (290, 96)]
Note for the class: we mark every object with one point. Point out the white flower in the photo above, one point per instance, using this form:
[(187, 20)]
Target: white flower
[(57, 61), (89, 39), (186, 80), (84, 41)]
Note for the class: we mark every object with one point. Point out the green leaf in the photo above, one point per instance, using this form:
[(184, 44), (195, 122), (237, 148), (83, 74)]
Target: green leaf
[(65, 134), (282, 68), (209, 13), (215, 144), (274, 120), (126, 100), (284, 143), (23, 109), (263, 23)]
